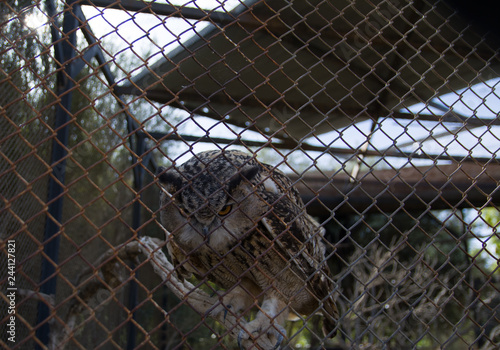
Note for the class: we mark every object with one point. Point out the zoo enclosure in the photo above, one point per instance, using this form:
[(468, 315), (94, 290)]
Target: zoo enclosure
[(384, 114)]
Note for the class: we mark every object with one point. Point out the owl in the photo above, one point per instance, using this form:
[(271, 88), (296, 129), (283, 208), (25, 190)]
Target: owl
[(241, 225)]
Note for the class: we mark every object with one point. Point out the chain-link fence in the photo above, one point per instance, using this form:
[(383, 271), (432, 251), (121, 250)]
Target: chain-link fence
[(378, 118)]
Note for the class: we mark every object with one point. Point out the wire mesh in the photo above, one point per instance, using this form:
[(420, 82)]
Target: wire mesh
[(382, 114)]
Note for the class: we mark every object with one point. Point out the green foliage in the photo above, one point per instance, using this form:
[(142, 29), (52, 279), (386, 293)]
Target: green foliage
[(491, 216)]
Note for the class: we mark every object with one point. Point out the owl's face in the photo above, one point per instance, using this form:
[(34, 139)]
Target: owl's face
[(210, 199)]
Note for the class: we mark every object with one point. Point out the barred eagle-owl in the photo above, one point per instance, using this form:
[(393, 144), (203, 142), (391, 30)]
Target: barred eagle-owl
[(242, 225)]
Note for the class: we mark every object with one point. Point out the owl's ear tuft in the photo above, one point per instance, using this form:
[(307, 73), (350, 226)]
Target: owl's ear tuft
[(169, 178), (249, 172), (246, 173)]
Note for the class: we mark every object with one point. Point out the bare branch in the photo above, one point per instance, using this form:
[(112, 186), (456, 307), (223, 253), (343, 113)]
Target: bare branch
[(109, 276), (30, 294)]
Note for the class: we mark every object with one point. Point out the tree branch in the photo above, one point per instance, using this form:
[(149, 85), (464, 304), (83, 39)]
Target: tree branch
[(109, 277)]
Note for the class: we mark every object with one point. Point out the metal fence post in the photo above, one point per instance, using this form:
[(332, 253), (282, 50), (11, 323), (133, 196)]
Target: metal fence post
[(136, 222), (65, 51)]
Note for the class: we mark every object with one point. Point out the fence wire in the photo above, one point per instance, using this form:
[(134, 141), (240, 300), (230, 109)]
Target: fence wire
[(382, 114)]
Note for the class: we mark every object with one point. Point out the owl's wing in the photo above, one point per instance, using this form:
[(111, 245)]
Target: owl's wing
[(179, 259), (296, 236), (299, 239), (290, 226)]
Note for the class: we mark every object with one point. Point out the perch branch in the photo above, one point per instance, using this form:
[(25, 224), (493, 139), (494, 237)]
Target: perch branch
[(109, 277), (195, 297)]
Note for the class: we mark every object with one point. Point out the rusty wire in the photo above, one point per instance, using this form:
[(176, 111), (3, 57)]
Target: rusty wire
[(384, 114)]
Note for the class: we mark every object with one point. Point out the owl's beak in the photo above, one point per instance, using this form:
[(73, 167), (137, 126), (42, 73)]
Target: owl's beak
[(205, 230)]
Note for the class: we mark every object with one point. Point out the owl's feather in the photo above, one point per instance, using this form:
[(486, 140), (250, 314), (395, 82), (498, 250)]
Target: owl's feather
[(242, 225)]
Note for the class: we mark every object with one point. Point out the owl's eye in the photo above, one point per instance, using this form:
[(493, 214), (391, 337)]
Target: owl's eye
[(225, 210)]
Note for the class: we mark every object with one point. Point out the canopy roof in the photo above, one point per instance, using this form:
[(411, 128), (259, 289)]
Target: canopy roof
[(289, 69)]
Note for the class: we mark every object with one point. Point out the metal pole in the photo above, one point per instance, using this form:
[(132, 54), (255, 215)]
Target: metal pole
[(48, 280), (136, 223)]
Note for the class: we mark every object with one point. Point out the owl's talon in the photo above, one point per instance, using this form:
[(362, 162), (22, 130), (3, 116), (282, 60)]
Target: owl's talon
[(226, 310), (279, 332), (240, 337), (278, 343), (281, 335)]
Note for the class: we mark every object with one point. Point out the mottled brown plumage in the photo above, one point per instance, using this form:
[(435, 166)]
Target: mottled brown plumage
[(242, 225)]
